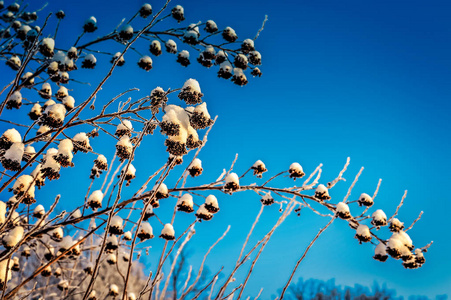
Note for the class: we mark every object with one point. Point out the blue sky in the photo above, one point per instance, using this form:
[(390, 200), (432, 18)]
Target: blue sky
[(369, 80)]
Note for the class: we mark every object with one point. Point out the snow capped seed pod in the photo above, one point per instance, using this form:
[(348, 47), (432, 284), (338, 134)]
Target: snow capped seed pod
[(221, 57), (170, 125), (185, 203), (126, 32), (342, 211), (43, 129), (145, 231), (53, 116), (2, 212), (168, 232), (124, 128), (114, 290), (145, 63), (35, 112), (64, 155), (191, 37), (26, 251), (176, 145), (65, 244), (111, 259), (203, 214), (161, 192), (200, 118), (39, 179), (14, 62), (267, 199), (75, 214), (149, 212), (259, 168), (13, 237), (410, 263), (101, 162), (14, 7), (47, 46), (13, 156), (9, 137), (47, 271), (15, 264), (365, 200), (211, 204), (129, 173), (131, 296), (363, 234), (211, 26), (57, 234), (89, 62), (46, 91), (238, 77), (204, 61), (68, 102), (178, 160), (406, 254), (14, 101), (380, 253), (81, 143), (296, 171), (195, 168), (171, 47), (145, 10), (124, 148), (128, 236), (39, 211), (255, 58), (404, 238), (193, 141), (241, 61), (62, 92), (111, 244), (63, 285), (52, 70), (95, 199), (395, 247), (191, 92), (5, 272), (379, 218), (120, 61), (396, 225), (90, 24), (419, 257), (247, 45), (157, 98), (50, 169), (28, 79), (209, 52), (229, 35), (89, 268), (116, 226), (183, 58), (24, 188), (322, 192), (64, 78), (225, 70), (232, 183), (60, 14), (72, 53), (155, 48), (178, 13)]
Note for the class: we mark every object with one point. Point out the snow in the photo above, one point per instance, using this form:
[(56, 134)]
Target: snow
[(322, 189), (184, 54), (13, 237), (66, 243), (82, 138), (127, 29), (249, 43), (192, 84), (96, 197), (146, 228), (62, 92), (186, 200), (168, 230), (112, 259), (39, 210), (91, 20), (379, 216), (380, 249), (69, 102), (128, 235), (48, 42), (2, 212), (125, 142), (56, 112), (116, 221), (114, 289), (172, 45), (15, 60), (156, 45), (238, 72), (365, 198), (15, 152), (363, 230), (59, 57), (196, 163), (296, 167), (112, 239), (212, 201), (163, 189), (57, 233), (16, 97), (259, 164), (12, 135), (131, 170), (232, 177), (50, 162), (404, 238), (76, 214), (229, 30), (202, 108), (146, 59), (5, 274), (91, 58), (226, 67), (342, 207), (131, 296), (66, 147), (24, 183), (203, 212)]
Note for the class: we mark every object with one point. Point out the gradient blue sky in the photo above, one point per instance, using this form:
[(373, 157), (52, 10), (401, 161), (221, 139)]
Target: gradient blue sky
[(365, 79)]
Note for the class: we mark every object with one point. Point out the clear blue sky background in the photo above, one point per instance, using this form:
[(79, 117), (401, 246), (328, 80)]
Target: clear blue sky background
[(365, 79)]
